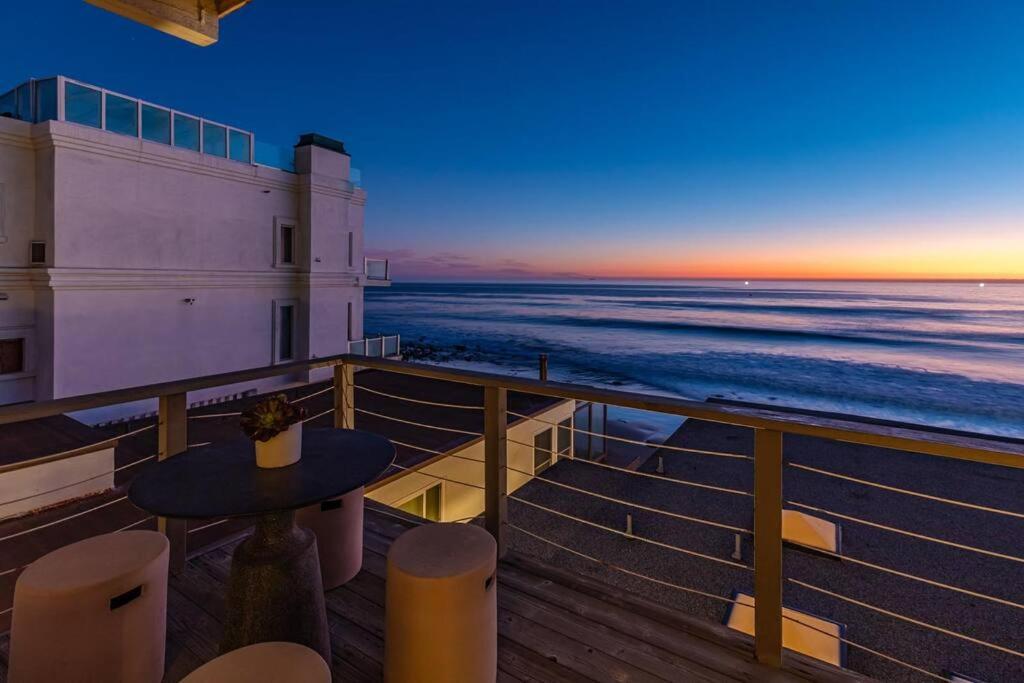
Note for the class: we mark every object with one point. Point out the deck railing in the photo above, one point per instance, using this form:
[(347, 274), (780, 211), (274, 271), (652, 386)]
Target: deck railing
[(377, 269), (380, 346), (770, 429)]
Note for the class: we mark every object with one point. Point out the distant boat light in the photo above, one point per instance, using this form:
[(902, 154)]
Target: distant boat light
[(747, 282), (981, 284)]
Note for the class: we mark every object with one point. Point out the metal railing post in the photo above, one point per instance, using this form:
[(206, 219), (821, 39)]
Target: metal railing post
[(496, 463), (543, 367), (172, 431), (768, 547), (344, 396)]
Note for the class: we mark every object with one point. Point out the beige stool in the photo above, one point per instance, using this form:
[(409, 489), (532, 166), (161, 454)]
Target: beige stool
[(441, 606), (338, 526), (95, 610), (264, 663)]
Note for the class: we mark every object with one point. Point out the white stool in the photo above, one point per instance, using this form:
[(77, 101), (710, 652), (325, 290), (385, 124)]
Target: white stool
[(338, 526), (95, 610), (441, 606), (264, 663)]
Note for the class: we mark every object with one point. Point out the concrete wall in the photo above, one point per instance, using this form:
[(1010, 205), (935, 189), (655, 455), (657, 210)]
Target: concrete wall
[(460, 501), (134, 228), (40, 486)]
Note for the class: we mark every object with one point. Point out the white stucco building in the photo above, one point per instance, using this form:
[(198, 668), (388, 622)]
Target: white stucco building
[(139, 244)]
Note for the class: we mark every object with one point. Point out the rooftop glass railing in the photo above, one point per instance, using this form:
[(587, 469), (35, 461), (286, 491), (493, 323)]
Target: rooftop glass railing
[(64, 99)]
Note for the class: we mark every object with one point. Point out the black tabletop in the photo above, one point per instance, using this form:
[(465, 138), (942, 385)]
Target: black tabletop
[(223, 480)]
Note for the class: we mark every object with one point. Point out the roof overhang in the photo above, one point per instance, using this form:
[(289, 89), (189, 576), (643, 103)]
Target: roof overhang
[(197, 21)]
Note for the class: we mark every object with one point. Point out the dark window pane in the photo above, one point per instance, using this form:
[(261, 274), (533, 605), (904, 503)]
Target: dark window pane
[(286, 331), (214, 142), (37, 252), (240, 146), (122, 116), (432, 504), (46, 100), (287, 244), (156, 124), (81, 105), (12, 355), (541, 451), (186, 132)]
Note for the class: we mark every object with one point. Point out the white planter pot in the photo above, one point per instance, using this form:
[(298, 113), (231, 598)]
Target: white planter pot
[(282, 450)]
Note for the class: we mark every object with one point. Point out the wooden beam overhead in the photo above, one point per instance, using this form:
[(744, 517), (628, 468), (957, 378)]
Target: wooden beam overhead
[(196, 21)]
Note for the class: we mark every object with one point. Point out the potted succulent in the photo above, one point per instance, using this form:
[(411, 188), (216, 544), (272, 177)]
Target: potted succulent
[(275, 426)]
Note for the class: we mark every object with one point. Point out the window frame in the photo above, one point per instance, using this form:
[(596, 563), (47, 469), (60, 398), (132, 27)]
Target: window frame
[(31, 252), (538, 468), (23, 353), (281, 222), (275, 341)]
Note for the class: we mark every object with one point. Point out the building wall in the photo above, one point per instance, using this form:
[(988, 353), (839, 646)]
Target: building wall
[(162, 263), (464, 500)]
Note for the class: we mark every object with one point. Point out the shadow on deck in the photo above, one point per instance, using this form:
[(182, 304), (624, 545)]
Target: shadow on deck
[(553, 626)]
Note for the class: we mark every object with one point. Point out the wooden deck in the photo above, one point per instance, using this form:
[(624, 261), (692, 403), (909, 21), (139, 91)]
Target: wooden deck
[(552, 626)]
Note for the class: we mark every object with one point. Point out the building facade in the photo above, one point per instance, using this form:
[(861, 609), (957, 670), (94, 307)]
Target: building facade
[(140, 244)]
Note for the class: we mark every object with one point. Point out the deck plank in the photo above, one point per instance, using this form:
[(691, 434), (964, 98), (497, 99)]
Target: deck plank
[(553, 626)]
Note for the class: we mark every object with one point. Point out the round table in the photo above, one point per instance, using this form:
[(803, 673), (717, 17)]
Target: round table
[(274, 591)]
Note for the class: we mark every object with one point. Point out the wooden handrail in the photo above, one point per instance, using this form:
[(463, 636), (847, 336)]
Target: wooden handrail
[(976, 449)]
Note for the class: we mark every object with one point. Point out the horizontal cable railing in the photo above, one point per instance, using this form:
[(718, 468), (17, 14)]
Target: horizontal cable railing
[(497, 441)]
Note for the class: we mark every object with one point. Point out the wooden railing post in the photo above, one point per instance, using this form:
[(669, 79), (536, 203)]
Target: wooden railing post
[(496, 463), (344, 396), (768, 546), (172, 429)]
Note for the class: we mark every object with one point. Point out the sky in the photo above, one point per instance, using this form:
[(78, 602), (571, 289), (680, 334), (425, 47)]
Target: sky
[(559, 139)]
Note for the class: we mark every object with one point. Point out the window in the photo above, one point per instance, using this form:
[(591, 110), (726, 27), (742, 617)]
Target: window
[(12, 356), (286, 332), (186, 132), (288, 244), (82, 105), (541, 451), (426, 504), (351, 242), (565, 438), (156, 124), (240, 146), (350, 337), (37, 253), (214, 142), (122, 116)]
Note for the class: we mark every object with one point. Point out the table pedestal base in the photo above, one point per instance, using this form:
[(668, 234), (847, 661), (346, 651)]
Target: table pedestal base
[(275, 591)]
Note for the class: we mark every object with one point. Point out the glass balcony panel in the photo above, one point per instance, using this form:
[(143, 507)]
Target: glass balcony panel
[(9, 104), (282, 158), (240, 146), (186, 132), (156, 124), (25, 102), (46, 100), (122, 116), (214, 140), (374, 347), (82, 105)]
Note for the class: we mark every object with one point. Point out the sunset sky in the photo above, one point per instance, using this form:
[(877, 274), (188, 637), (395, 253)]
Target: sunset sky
[(589, 139)]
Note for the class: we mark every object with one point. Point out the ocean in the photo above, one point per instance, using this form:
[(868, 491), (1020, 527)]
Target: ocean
[(937, 353)]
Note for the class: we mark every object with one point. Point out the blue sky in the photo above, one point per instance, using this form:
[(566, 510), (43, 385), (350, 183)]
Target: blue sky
[(634, 139)]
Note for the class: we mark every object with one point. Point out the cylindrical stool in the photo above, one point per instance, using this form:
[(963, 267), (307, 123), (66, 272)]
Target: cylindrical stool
[(441, 606), (338, 525), (95, 610), (273, 662)]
